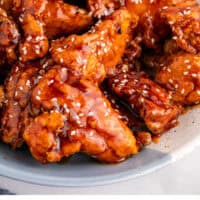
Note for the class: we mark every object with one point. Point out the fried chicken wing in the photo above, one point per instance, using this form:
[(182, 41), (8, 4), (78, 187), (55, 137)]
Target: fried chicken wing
[(72, 76), (62, 18), (75, 117), (9, 37), (180, 74), (41, 20), (152, 27), (95, 54), (148, 99), (35, 43), (17, 111), (130, 118), (184, 21), (126, 114), (101, 8)]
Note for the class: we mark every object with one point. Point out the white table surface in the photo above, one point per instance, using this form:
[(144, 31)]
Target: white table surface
[(181, 177)]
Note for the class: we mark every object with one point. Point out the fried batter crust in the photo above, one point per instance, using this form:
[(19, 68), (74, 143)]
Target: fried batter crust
[(95, 54), (101, 8), (75, 117), (44, 19), (184, 21), (180, 75), (148, 99), (9, 37)]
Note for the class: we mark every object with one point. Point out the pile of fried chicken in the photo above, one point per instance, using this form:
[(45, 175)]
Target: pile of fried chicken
[(101, 77)]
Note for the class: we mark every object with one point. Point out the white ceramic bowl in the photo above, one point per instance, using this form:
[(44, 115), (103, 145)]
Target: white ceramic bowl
[(82, 171)]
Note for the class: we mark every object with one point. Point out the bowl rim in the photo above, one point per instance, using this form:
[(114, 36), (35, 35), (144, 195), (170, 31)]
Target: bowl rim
[(28, 177)]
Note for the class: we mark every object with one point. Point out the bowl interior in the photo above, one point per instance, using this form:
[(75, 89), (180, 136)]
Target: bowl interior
[(80, 170)]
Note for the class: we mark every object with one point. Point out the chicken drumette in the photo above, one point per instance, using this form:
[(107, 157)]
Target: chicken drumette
[(148, 99), (75, 117), (180, 75), (41, 20), (17, 111), (130, 118), (95, 54), (59, 116), (153, 28), (9, 37), (184, 20)]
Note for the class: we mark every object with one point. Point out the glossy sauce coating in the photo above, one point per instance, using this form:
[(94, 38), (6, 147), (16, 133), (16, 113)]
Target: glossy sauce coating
[(85, 119), (42, 19), (95, 54), (180, 74), (75, 80), (184, 21), (100, 8), (17, 111), (148, 99)]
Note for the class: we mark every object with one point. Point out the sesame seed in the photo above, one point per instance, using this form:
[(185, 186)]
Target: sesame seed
[(183, 91), (60, 50), (61, 60), (194, 75), (169, 70), (91, 134), (20, 87), (10, 116), (50, 82), (142, 100), (81, 114), (91, 113), (54, 99), (73, 132), (38, 97), (185, 73), (189, 67), (187, 61), (176, 86), (37, 51), (28, 83)]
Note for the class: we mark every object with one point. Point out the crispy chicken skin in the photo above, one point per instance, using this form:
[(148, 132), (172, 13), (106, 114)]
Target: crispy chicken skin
[(35, 43), (73, 80), (96, 53), (152, 27), (17, 111), (9, 37), (6, 5), (101, 8), (130, 118), (43, 19), (184, 20), (62, 18), (75, 117), (180, 74), (148, 99)]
